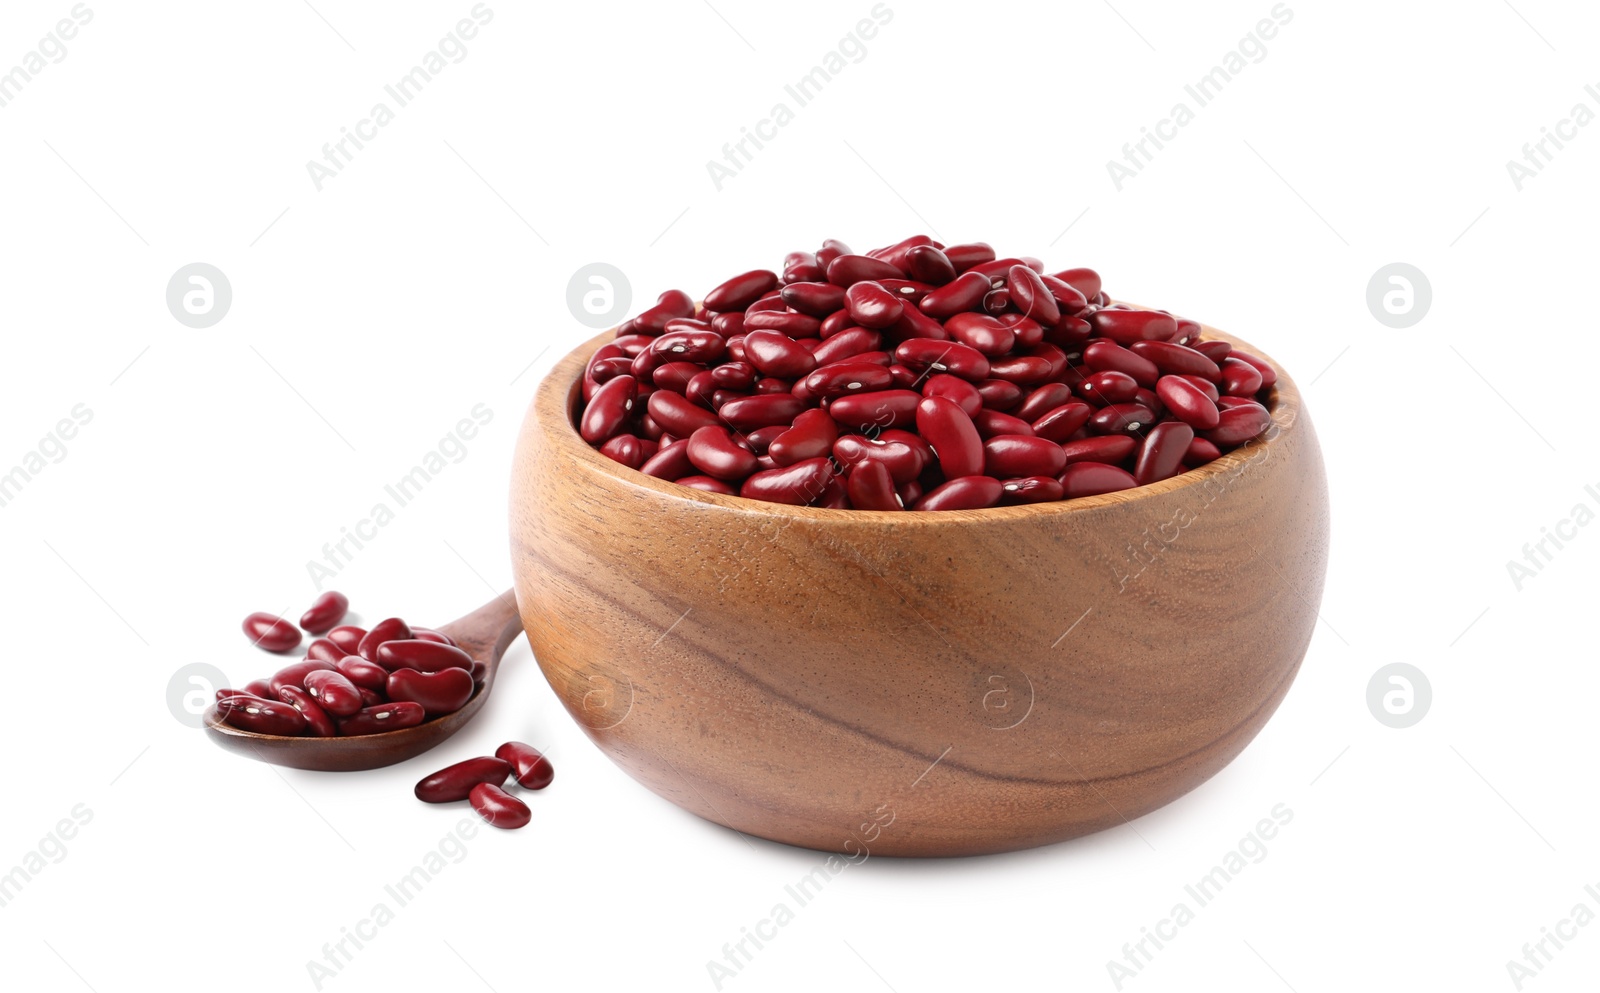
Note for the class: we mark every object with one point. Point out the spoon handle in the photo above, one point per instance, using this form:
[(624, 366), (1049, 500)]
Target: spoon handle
[(485, 633)]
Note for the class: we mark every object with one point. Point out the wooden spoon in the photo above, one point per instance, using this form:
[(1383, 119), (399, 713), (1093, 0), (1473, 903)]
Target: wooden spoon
[(483, 634)]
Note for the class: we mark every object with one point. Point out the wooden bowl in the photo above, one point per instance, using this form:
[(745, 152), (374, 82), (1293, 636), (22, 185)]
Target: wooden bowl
[(919, 684)]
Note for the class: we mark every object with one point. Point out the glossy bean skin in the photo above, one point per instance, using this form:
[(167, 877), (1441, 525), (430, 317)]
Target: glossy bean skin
[(1205, 386), (1237, 425), (930, 265), (981, 332), (1009, 456), (608, 410), (847, 270), (499, 808), (792, 324), (261, 716), (913, 323), (969, 254), (382, 717), (1216, 350), (388, 629), (1030, 296), (1024, 370), (998, 394), (348, 637), (671, 462), (871, 486), (1069, 299), (923, 354), (953, 437), (1063, 422), (963, 293), (325, 612), (270, 632), (455, 782), (847, 377), (812, 436), (261, 688), (878, 410), (687, 346), (872, 306), (423, 656), (1269, 375), (677, 414), (904, 462), (1162, 453), (324, 650), (443, 692), (1121, 418), (707, 484), (816, 299), (1108, 356), (362, 673), (965, 395), (1187, 402), (742, 290), (1106, 388), (1200, 452), (1081, 479), (627, 450), (318, 723), (1031, 489), (777, 355), (528, 764), (1239, 378), (1085, 281), (797, 485), (1110, 449), (991, 423), (429, 634), (962, 493), (294, 675), (748, 413), (712, 451), (846, 344), (1176, 360), (669, 305), (333, 692), (676, 376)]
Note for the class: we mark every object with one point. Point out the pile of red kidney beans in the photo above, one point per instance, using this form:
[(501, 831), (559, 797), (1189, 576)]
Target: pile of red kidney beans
[(919, 376), (352, 680)]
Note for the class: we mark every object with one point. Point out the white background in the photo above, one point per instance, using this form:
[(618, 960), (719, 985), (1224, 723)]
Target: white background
[(424, 279)]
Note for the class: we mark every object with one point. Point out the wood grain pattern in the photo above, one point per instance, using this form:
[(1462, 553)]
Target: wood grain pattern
[(918, 684), (483, 634)]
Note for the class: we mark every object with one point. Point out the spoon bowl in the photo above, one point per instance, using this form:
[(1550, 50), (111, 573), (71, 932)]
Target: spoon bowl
[(483, 634)]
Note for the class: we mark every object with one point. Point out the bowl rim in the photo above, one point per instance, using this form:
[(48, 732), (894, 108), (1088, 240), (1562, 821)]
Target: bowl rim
[(555, 401)]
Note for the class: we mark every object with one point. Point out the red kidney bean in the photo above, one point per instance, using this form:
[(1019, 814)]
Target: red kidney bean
[(761, 439), (872, 306), (1188, 332), (797, 484), (834, 496), (965, 256), (1061, 423), (847, 270), (747, 413), (1043, 400), (429, 634), (609, 410), (324, 650), (390, 629), (707, 484), (847, 344), (1121, 418), (811, 437), (632, 344), (382, 717), (336, 694), (1237, 425), (991, 423), (877, 410), (930, 265), (1127, 326), (1109, 449), (626, 449), (742, 290), (455, 782), (731, 327), (962, 493), (362, 673), (963, 293), (954, 388), (1085, 281), (348, 638), (913, 323), (816, 299), (1028, 332), (802, 267), (848, 377), (669, 305), (870, 486), (318, 723), (981, 332), (904, 461), (1200, 452), (1031, 296), (607, 369), (443, 692), (671, 462), (909, 493), (995, 270), (1205, 386), (943, 356), (1269, 375), (260, 716), (685, 324), (675, 376), (793, 325), (997, 302), (1031, 489), (1081, 479), (271, 632), (999, 394), (325, 611), (294, 675), (1108, 356), (1215, 349), (1224, 403), (261, 688), (954, 438), (1108, 387), (774, 354), (499, 808), (835, 323), (734, 376), (712, 451), (1068, 298), (528, 764), (1187, 402), (1176, 360), (424, 656), (1240, 378), (1010, 455), (677, 414), (895, 254), (1162, 453), (688, 346)]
